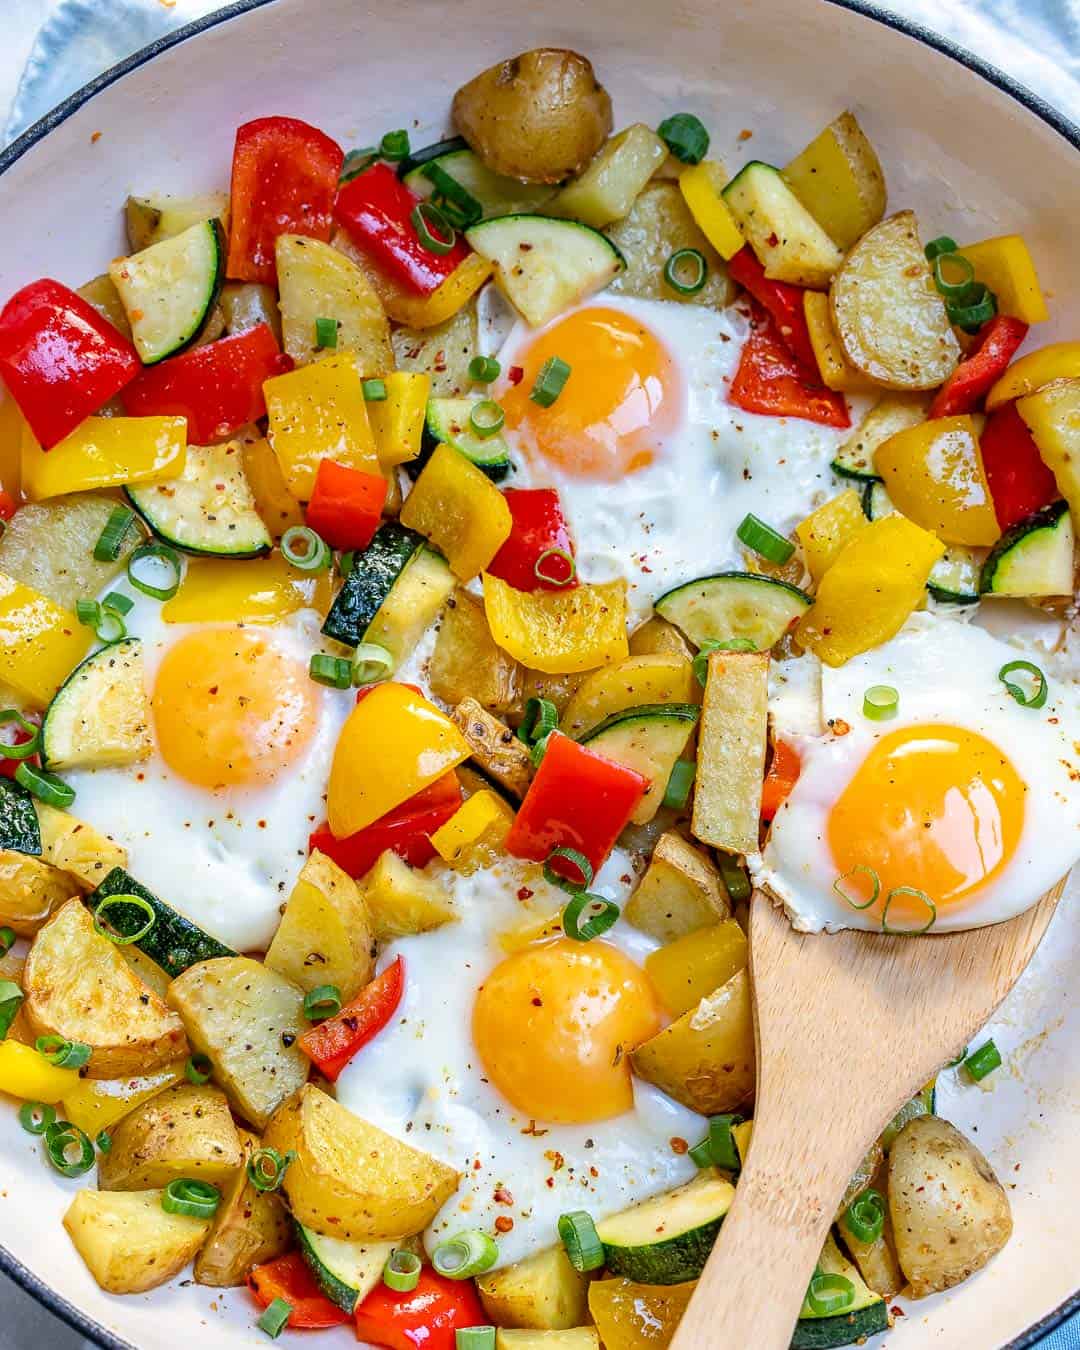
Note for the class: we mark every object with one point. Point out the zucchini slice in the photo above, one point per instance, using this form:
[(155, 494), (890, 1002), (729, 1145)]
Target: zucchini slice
[(668, 1239), (423, 586), (209, 509), (864, 1316), (447, 423), (648, 739), (1034, 557), (891, 413), (149, 220), (954, 578), (346, 1272), (20, 830), (544, 266), (368, 584), (100, 715), (734, 605), (788, 241), (168, 289), (174, 942), (876, 501), (497, 196)]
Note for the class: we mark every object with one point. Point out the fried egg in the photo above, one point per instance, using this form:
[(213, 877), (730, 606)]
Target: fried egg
[(963, 806)]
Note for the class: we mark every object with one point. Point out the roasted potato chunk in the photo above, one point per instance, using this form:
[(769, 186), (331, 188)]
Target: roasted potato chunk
[(731, 751), (402, 901), (185, 1131), (680, 892), (495, 747), (467, 663), (249, 1227), (540, 116), (325, 934), (443, 353), (128, 1241), (543, 1292), (838, 178), (316, 279), (31, 890), (76, 847), (658, 225)]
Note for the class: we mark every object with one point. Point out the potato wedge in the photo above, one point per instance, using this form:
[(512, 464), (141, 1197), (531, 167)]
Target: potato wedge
[(76, 847), (680, 892), (950, 1214), (402, 901), (315, 281), (543, 1292), (731, 751), (185, 1131), (247, 1019), (31, 890), (325, 935), (838, 178), (876, 1260), (467, 663), (500, 754), (607, 189), (442, 353), (656, 636), (249, 1227), (889, 317), (96, 1104), (705, 1059), (246, 304), (658, 225), (128, 1241), (79, 987), (631, 683), (351, 1180)]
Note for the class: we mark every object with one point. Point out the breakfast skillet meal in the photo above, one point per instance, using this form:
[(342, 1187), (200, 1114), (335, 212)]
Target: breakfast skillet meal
[(437, 586)]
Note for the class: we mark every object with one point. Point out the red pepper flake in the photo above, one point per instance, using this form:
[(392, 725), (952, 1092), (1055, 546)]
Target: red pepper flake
[(839, 727), (95, 138), (524, 893), (515, 374), (745, 134), (593, 1172), (678, 1145), (556, 1159), (504, 1223), (503, 1196), (532, 1130), (897, 1311)]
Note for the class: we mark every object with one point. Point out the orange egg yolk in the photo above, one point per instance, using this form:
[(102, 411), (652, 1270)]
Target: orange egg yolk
[(932, 807), (230, 708), (554, 1025), (622, 397)]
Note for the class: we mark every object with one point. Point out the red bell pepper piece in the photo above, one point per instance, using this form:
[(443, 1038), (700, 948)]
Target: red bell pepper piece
[(289, 1277), (60, 359), (375, 209), (1019, 481), (538, 525), (578, 800), (771, 381), (346, 504), (218, 388), (970, 382), (332, 1043), (284, 176), (782, 300), (13, 734), (426, 1318), (406, 830), (782, 776)]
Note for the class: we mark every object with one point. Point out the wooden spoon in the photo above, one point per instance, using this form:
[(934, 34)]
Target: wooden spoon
[(849, 1026)]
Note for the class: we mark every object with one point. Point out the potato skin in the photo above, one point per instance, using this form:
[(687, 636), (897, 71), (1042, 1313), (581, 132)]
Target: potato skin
[(185, 1131), (249, 1227), (950, 1213), (540, 116)]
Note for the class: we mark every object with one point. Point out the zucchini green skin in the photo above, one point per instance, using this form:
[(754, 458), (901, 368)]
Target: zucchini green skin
[(672, 1261), (368, 584), (821, 1333), (645, 712), (1046, 519), (491, 456), (153, 523), (19, 828), (174, 942), (335, 1290), (418, 158), (216, 280)]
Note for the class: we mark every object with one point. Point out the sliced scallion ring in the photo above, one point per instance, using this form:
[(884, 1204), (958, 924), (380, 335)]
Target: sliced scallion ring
[(266, 1168), (700, 663), (936, 247), (11, 997), (457, 203), (464, 1255), (685, 136), (401, 1273), (680, 782), (1027, 698), (578, 1233), (276, 1317), (356, 161), (550, 381), (865, 1216), (103, 1140), (586, 916), (198, 1069), (880, 701), (62, 1054), (539, 750), (829, 1293), (7, 940), (106, 624), (155, 559), (69, 1149), (45, 786), (983, 1061), (541, 717), (434, 231), (915, 894), (333, 671), (734, 876), (959, 285), (852, 896), (484, 369), (374, 391), (764, 540), (474, 1338), (394, 145), (972, 314), (25, 748), (118, 603), (486, 418), (111, 540), (563, 575), (718, 1148), (187, 1195), (305, 550), (36, 1117), (113, 934), (371, 663), (686, 271), (322, 1002), (577, 860), (326, 333)]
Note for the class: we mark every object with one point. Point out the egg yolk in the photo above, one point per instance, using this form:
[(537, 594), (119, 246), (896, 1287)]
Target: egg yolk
[(932, 807), (554, 1025), (621, 399), (230, 708)]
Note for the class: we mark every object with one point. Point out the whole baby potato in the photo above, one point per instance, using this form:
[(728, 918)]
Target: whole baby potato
[(540, 116)]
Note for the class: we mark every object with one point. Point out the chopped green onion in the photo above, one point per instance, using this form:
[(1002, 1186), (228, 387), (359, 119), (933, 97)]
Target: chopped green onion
[(274, 1319), (954, 1063), (586, 916), (679, 784), (971, 315), (764, 540), (550, 381), (960, 287), (107, 625), (686, 271), (322, 1002), (1036, 697), (11, 997), (333, 671), (581, 1240), (62, 1054), (156, 557), (718, 1149), (685, 136), (266, 1168), (880, 702), (456, 201), (700, 663), (484, 369), (104, 1142), (198, 1069), (62, 1139), (829, 1293), (474, 1338), (124, 939), (575, 859), (486, 418), (45, 786), (346, 561), (111, 540), (853, 897), (541, 717), (434, 231), (26, 748), (734, 876), (402, 1272), (564, 556), (371, 663), (916, 894), (186, 1195), (865, 1216), (118, 603), (356, 161), (936, 247), (539, 750), (465, 1255), (394, 145), (36, 1117), (326, 333), (305, 550), (7, 940), (983, 1061), (374, 391)]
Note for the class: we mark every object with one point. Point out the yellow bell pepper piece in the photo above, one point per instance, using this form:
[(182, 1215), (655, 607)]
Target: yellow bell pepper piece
[(1058, 361), (825, 531), (742, 1134), (429, 311), (319, 412), (460, 510), (934, 475), (559, 632), (700, 186), (105, 452), (1005, 265), (259, 590), (26, 1074), (476, 833), (393, 743), (532, 930), (279, 509), (11, 434), (876, 582), (685, 970), (1053, 418), (837, 372), (40, 643), (96, 1104), (397, 421)]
